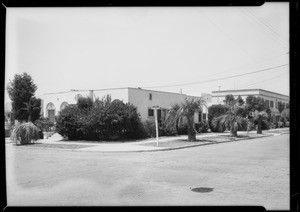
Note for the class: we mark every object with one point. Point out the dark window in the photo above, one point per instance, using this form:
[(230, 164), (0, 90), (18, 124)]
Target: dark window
[(159, 114), (200, 116), (150, 112), (204, 116), (150, 96), (271, 104), (267, 103)]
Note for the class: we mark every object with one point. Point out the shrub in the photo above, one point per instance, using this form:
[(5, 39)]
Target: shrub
[(163, 129), (25, 133), (280, 124), (272, 125), (167, 129), (250, 125), (84, 103), (287, 123), (265, 125), (183, 129), (150, 128), (216, 111), (104, 121), (202, 127), (44, 124), (69, 123)]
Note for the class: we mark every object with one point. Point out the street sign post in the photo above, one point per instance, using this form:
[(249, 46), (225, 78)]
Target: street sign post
[(156, 122)]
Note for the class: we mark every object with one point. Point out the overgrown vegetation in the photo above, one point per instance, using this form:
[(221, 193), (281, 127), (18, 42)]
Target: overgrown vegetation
[(25, 133), (232, 120), (102, 120), (184, 113), (44, 124)]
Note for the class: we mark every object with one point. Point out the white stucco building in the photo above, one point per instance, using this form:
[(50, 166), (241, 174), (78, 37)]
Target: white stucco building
[(271, 98), (143, 99)]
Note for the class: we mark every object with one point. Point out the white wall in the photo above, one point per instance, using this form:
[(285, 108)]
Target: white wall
[(140, 98), (219, 97), (137, 97), (70, 97)]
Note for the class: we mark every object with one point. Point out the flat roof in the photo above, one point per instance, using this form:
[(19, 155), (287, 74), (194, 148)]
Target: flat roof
[(249, 90)]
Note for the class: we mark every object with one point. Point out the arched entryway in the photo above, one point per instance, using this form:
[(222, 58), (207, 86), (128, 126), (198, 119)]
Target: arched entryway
[(50, 110), (63, 105)]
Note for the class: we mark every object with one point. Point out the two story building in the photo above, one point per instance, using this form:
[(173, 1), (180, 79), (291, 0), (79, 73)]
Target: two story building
[(271, 98)]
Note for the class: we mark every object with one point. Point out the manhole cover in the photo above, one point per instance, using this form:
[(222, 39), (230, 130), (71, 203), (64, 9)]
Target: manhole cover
[(202, 189)]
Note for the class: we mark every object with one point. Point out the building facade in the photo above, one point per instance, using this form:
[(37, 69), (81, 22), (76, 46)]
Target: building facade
[(143, 99), (271, 98)]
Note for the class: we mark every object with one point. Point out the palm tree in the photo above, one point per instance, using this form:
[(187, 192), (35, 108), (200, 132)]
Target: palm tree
[(31, 106), (259, 117), (232, 120), (184, 112)]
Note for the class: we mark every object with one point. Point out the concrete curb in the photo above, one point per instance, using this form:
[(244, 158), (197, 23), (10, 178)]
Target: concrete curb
[(183, 147), (162, 149)]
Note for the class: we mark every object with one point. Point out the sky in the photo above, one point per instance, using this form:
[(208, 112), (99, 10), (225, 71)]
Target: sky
[(189, 49)]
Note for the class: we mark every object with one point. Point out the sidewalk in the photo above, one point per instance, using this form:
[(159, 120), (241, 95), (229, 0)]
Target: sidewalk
[(165, 143)]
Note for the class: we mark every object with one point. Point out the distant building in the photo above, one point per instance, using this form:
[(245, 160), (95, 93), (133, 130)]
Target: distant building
[(271, 98), (143, 99)]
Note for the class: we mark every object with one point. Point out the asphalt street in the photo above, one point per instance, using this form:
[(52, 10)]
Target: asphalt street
[(248, 172)]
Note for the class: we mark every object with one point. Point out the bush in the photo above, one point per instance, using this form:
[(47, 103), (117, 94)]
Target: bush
[(272, 125), (202, 127), (84, 103), (44, 124), (104, 121), (265, 125), (216, 111), (150, 128), (69, 123), (25, 133), (251, 125), (280, 124), (287, 123), (163, 129)]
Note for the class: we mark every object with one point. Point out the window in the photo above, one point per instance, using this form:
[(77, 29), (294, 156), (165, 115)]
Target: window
[(204, 116), (267, 103), (150, 96), (271, 104), (150, 112), (199, 116)]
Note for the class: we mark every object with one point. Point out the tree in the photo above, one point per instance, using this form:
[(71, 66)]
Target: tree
[(84, 103), (186, 112), (33, 108), (20, 90), (216, 111), (280, 107), (232, 120), (240, 100), (255, 103), (259, 116), (229, 100)]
